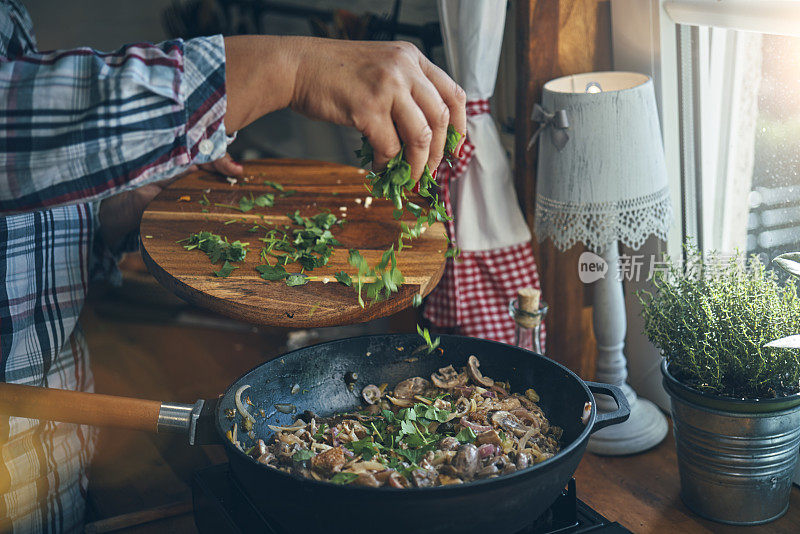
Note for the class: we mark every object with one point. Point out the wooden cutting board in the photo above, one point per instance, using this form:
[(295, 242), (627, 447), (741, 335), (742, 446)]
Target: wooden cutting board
[(244, 295)]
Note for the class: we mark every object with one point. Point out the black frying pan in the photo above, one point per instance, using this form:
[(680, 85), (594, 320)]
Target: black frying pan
[(497, 505)]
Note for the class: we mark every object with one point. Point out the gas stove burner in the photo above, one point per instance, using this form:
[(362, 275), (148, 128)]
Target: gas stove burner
[(220, 506)]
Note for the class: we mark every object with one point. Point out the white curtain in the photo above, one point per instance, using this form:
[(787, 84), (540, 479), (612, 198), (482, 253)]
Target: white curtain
[(489, 228), (729, 75), (484, 199)]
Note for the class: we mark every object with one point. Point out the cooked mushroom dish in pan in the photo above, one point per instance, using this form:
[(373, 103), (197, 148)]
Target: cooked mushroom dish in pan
[(455, 427)]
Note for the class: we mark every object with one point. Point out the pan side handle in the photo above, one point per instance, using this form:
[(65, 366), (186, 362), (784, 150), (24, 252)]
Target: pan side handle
[(619, 415), (98, 410)]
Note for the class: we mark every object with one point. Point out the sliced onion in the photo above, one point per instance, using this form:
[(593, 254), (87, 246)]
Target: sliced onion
[(371, 393), (462, 407), (367, 466), (587, 412), (528, 435), (486, 450), (297, 425), (403, 403), (239, 406), (285, 408), (474, 426)]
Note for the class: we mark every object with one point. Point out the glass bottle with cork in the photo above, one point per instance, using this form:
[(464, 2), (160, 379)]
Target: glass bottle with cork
[(528, 312)]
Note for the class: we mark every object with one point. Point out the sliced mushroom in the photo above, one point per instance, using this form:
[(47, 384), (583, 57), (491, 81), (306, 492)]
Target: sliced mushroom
[(524, 460), (442, 404), (410, 387), (509, 423), (423, 478), (475, 374), (487, 471), (403, 403), (491, 437), (466, 462), (509, 468), (396, 480), (448, 377), (329, 462), (373, 409), (508, 404), (371, 394), (448, 444), (367, 479)]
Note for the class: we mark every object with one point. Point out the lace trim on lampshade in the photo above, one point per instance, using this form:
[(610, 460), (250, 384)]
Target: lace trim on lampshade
[(597, 224)]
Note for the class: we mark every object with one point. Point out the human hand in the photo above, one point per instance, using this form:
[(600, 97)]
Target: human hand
[(121, 214), (387, 90)]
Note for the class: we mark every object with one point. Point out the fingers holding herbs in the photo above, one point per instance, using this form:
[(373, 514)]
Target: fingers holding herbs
[(387, 90)]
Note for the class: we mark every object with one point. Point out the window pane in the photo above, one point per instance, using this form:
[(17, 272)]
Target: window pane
[(773, 225)]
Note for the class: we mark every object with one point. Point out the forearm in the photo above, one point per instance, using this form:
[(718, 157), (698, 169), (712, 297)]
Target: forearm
[(89, 125), (120, 215), (260, 76)]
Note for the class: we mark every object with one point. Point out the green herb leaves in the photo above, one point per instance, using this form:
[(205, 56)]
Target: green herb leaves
[(246, 203), (466, 435), (344, 279), (296, 280), (226, 270), (216, 247), (302, 455), (426, 335), (343, 478), (270, 273), (365, 447), (393, 183)]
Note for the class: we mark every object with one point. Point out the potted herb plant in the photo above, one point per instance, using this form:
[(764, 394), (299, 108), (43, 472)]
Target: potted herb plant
[(735, 401)]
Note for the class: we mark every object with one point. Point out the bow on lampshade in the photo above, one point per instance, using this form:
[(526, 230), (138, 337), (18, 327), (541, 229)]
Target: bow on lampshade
[(557, 120)]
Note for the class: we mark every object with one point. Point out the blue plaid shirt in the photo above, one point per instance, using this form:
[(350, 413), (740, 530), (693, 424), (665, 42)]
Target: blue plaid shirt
[(77, 126)]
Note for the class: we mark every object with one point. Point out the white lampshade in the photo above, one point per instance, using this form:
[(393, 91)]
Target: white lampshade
[(608, 182)]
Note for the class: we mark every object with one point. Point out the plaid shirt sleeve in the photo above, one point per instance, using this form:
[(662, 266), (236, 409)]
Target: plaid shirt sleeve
[(80, 125)]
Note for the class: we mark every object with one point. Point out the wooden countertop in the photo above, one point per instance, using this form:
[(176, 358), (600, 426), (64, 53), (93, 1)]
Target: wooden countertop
[(642, 493), (148, 475)]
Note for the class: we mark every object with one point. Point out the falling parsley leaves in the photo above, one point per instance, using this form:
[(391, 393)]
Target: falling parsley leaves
[(311, 242), (426, 335), (344, 279)]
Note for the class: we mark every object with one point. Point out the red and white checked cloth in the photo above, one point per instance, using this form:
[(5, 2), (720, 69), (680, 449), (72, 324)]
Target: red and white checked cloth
[(474, 291)]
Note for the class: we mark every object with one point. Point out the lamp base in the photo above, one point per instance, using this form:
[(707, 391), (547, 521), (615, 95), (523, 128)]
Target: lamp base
[(644, 429)]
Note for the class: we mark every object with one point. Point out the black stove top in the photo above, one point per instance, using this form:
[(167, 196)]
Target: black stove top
[(221, 507)]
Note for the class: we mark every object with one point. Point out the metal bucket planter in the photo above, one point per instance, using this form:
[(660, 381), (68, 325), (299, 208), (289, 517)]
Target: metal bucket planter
[(735, 457)]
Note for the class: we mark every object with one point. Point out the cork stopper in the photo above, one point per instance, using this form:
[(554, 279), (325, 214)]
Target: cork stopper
[(528, 301)]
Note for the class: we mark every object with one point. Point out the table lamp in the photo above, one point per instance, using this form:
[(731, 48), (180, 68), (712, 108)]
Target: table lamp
[(602, 180)]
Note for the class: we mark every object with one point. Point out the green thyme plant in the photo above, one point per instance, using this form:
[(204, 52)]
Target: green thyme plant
[(712, 319)]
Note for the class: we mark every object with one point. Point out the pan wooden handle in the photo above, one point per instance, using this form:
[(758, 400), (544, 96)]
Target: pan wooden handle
[(78, 407)]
